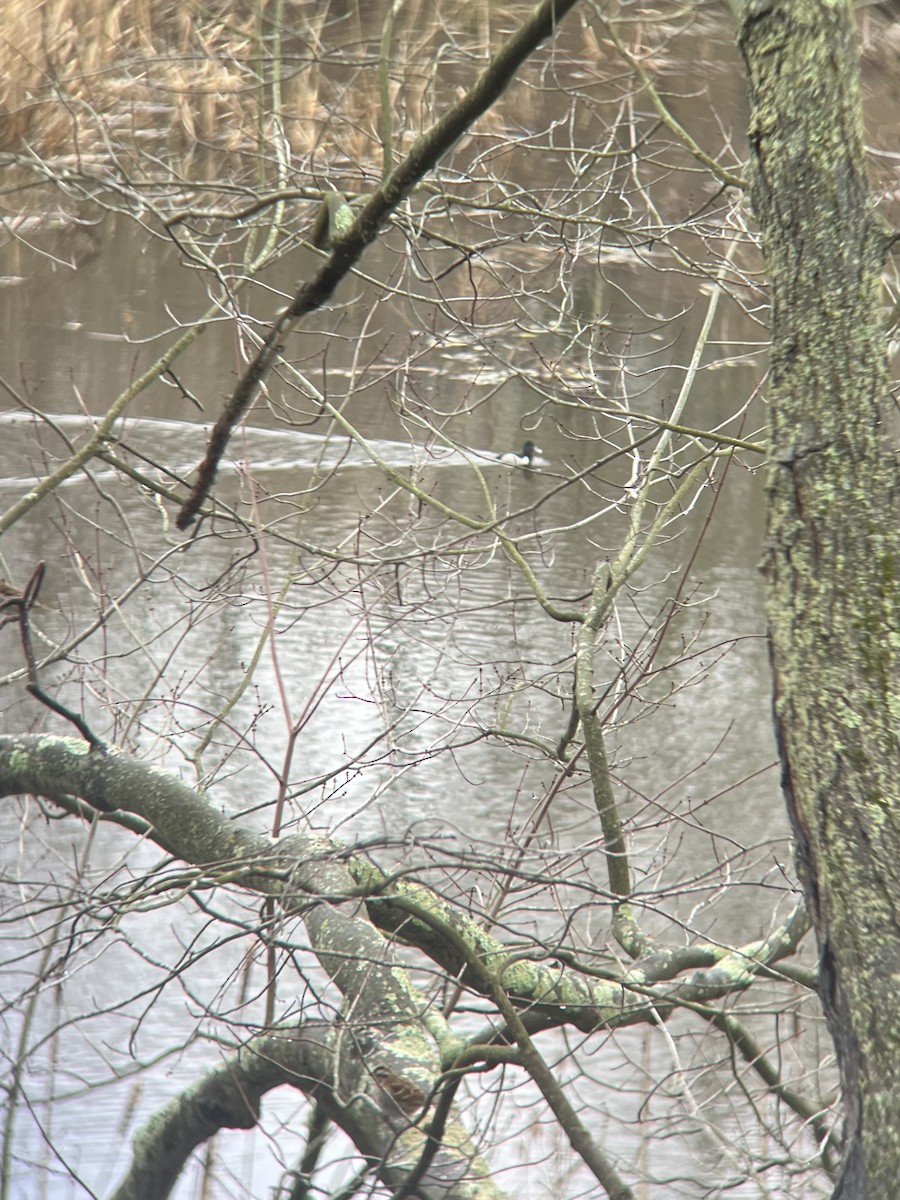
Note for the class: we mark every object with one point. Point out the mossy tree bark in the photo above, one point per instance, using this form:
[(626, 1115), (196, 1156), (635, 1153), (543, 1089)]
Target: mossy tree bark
[(832, 554)]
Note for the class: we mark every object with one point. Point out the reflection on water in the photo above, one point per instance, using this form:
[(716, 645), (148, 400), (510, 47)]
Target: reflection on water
[(374, 652), (395, 676)]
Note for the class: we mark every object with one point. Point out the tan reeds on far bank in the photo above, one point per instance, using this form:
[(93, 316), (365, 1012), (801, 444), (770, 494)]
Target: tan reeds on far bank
[(100, 77), (75, 73)]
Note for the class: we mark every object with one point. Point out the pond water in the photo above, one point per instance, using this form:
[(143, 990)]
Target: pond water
[(403, 646)]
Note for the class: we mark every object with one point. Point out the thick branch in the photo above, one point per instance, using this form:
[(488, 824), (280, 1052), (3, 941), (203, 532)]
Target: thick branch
[(378, 995), (299, 869), (228, 1097)]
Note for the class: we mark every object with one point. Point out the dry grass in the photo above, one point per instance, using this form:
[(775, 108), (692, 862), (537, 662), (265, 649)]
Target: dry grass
[(76, 73), (138, 85), (80, 73)]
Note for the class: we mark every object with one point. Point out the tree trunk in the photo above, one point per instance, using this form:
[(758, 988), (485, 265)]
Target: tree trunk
[(832, 554)]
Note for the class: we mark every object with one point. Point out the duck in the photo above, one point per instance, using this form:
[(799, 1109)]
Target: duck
[(511, 459)]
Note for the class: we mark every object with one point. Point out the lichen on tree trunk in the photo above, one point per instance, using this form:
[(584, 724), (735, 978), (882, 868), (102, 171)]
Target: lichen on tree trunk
[(832, 553)]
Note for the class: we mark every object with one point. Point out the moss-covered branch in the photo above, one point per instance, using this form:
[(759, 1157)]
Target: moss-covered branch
[(354, 915)]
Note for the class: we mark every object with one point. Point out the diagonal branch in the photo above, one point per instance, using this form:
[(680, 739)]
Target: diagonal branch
[(422, 158)]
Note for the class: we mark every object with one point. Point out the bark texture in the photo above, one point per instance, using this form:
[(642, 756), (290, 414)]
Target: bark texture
[(832, 553)]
